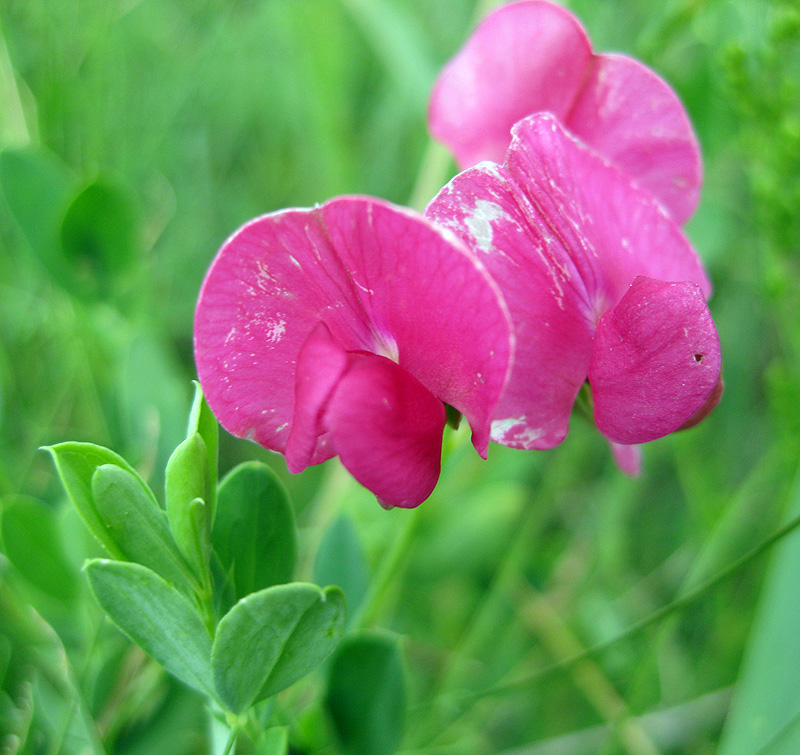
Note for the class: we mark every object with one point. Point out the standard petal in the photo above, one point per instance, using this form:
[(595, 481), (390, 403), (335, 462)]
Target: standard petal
[(432, 307), (270, 285), (523, 58), (544, 293), (387, 429), (631, 116), (320, 364), (655, 361), (612, 228), (381, 278)]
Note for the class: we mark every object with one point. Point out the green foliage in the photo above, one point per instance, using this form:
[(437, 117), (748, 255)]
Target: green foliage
[(185, 492), (366, 695), (254, 531), (203, 423), (340, 561), (76, 464), (272, 638), (765, 714), (36, 187), (30, 536), (135, 523), (98, 236), (156, 617)]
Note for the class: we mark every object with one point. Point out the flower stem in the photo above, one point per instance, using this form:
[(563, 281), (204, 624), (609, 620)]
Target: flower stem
[(434, 171), (231, 741), (463, 703), (539, 614), (370, 608), (398, 552), (685, 600)]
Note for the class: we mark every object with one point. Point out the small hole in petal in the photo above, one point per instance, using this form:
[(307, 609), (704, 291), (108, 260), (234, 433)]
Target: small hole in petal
[(698, 357)]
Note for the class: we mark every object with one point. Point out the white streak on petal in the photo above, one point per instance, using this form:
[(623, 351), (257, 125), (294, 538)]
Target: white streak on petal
[(479, 223)]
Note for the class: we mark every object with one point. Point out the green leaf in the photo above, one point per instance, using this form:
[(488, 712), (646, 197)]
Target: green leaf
[(340, 561), (31, 540), (272, 638), (366, 694), (136, 522), (185, 494), (276, 741), (204, 423), (76, 464), (156, 617), (765, 712), (99, 235), (36, 187), (254, 531)]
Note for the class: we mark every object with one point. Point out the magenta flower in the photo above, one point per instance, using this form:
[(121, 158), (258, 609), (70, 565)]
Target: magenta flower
[(534, 56), (342, 330), (601, 285)]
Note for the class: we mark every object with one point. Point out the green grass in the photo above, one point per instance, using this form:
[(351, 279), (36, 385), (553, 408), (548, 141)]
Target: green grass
[(199, 116)]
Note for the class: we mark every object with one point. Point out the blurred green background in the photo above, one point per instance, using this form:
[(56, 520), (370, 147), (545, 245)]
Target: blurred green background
[(136, 135)]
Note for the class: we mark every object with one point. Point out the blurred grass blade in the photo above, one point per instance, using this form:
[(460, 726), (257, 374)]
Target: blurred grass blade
[(153, 402), (272, 638), (156, 617), (14, 130), (765, 714), (366, 694), (395, 40), (276, 741)]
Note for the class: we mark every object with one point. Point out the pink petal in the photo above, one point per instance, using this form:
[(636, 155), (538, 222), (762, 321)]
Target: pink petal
[(564, 234), (613, 229), (524, 57), (387, 429), (382, 279), (270, 285), (320, 364), (655, 361), (627, 458), (544, 294), (706, 408), (533, 56), (431, 306), (631, 116)]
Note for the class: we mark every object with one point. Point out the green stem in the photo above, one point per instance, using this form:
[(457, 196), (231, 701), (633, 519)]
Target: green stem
[(486, 616), (434, 171), (231, 740), (461, 704), (682, 602), (397, 554), (387, 573)]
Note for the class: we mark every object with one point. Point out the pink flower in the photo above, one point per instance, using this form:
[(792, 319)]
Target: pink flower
[(533, 56), (341, 330), (601, 285)]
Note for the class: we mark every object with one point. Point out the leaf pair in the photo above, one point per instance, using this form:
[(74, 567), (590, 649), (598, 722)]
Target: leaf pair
[(120, 509), (266, 642)]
